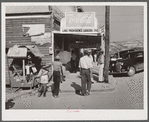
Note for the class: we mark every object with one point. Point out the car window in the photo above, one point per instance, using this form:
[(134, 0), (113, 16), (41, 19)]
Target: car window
[(139, 55), (126, 56), (129, 55), (115, 55)]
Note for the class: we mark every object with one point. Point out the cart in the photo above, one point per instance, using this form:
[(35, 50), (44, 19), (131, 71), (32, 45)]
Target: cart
[(22, 69)]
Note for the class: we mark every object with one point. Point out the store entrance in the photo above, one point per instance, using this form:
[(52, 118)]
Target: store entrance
[(67, 45)]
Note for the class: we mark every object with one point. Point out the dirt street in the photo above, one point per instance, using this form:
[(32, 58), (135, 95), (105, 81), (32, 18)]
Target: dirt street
[(128, 94)]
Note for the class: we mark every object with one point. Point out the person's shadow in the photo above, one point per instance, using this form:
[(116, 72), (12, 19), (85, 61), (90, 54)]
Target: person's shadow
[(9, 104), (77, 88)]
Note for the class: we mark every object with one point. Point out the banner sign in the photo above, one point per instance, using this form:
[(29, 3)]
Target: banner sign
[(78, 22)]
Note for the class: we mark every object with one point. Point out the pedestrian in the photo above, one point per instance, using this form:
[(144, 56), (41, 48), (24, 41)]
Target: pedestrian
[(73, 62), (91, 68), (100, 63), (85, 65), (43, 81), (95, 58), (57, 73)]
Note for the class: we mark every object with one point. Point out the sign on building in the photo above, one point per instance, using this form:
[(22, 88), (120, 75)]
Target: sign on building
[(79, 22)]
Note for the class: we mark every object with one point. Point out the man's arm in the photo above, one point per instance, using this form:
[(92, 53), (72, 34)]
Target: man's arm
[(80, 66)]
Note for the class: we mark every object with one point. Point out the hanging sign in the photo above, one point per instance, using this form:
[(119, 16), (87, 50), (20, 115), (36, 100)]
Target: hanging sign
[(79, 22)]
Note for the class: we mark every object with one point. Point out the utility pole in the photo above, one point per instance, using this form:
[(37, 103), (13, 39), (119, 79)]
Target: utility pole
[(107, 35)]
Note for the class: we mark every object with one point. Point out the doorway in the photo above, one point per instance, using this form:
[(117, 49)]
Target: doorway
[(74, 42)]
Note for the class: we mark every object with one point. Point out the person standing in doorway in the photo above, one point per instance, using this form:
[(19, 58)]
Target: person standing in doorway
[(85, 65), (95, 58), (73, 62), (100, 62), (91, 68)]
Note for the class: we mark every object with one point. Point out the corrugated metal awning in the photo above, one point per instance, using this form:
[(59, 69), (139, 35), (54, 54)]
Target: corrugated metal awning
[(21, 51)]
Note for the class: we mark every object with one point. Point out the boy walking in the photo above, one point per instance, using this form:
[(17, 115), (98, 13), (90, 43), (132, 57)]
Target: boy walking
[(57, 72), (43, 75)]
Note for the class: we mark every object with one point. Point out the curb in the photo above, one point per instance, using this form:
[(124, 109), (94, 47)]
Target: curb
[(62, 91)]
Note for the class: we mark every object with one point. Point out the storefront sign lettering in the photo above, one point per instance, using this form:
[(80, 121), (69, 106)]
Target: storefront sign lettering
[(80, 30)]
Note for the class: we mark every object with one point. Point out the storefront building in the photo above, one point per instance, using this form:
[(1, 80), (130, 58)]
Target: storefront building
[(32, 25), (78, 30), (51, 29)]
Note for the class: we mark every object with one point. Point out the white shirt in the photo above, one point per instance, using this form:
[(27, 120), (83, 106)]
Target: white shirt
[(85, 62), (91, 57), (44, 79)]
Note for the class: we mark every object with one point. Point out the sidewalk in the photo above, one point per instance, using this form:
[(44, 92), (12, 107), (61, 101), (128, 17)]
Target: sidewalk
[(72, 84)]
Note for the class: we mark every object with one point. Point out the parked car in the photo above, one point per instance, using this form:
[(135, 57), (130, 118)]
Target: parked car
[(130, 63), (119, 55)]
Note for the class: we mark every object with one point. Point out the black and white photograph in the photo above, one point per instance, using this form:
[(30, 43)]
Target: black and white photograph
[(74, 60)]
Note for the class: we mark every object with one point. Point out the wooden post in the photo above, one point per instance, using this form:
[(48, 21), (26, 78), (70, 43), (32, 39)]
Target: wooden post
[(8, 72), (107, 35), (23, 69)]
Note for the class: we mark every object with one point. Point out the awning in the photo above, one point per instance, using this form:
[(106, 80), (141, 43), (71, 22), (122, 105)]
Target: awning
[(18, 51), (34, 49)]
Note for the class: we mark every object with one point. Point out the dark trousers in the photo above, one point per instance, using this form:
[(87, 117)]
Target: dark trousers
[(56, 79), (73, 65), (42, 89), (85, 80)]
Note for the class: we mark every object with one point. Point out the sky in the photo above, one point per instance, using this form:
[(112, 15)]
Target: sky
[(126, 22)]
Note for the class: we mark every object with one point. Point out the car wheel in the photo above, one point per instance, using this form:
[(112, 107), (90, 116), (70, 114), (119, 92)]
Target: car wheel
[(131, 71)]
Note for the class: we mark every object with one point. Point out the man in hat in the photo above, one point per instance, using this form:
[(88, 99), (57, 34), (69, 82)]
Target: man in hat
[(85, 65), (100, 62)]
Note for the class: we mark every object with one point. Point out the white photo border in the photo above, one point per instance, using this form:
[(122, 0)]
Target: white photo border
[(139, 114)]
